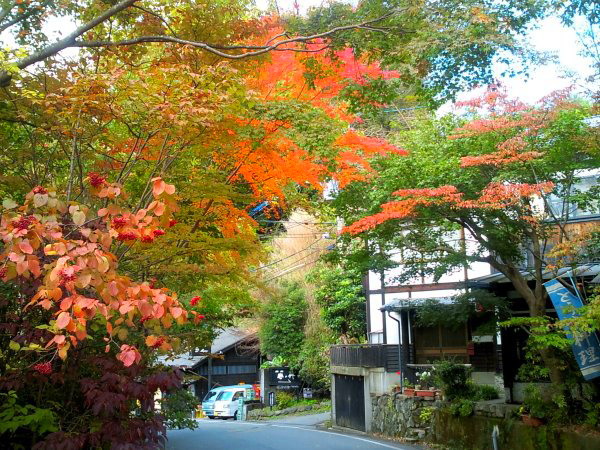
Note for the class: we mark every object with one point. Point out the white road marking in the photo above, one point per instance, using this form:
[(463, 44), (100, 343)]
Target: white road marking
[(304, 427), (338, 434)]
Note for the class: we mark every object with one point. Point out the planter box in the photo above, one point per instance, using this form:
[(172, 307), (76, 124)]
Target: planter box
[(531, 421), (409, 392), (425, 393)]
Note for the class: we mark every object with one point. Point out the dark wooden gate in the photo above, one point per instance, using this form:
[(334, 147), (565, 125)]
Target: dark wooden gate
[(350, 402)]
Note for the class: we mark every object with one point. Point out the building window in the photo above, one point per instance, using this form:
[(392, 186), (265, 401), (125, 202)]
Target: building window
[(219, 370), (563, 210), (376, 337), (437, 342), (242, 368)]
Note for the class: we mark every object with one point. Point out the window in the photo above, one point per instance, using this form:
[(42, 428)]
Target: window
[(210, 396), (225, 395), (242, 368), (572, 210), (437, 342), (219, 370), (376, 337)]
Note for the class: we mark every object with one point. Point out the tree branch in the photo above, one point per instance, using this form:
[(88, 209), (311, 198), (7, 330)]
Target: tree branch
[(71, 40), (66, 42), (22, 17), (252, 50), (6, 11)]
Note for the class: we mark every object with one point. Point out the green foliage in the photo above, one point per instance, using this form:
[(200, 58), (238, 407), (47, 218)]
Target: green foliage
[(314, 357), (29, 418), (462, 407), (476, 303), (426, 414), (339, 293), (439, 48), (535, 404), (284, 399), (453, 379), (483, 392), (178, 408), (282, 330)]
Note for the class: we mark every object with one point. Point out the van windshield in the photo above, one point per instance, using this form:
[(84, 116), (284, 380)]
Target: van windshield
[(210, 396), (225, 395)]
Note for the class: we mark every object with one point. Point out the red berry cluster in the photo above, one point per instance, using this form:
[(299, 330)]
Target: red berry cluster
[(23, 223), (127, 236), (40, 190), (144, 319), (119, 222), (158, 232), (43, 368), (3, 271), (172, 222), (194, 301), (147, 239), (96, 179)]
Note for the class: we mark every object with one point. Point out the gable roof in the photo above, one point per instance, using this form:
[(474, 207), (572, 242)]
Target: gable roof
[(226, 339)]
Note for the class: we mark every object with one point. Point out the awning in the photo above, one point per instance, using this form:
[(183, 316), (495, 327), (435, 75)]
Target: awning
[(583, 270), (399, 304)]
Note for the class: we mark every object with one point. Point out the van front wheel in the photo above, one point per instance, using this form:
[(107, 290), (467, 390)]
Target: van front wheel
[(211, 417)]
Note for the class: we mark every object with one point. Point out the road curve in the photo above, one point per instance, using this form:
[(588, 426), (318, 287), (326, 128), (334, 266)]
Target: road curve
[(275, 435)]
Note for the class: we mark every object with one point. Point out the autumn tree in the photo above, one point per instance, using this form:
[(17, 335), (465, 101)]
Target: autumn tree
[(494, 176)]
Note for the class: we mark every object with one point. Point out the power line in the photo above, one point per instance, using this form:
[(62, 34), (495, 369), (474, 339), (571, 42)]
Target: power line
[(291, 270), (287, 257), (317, 250)]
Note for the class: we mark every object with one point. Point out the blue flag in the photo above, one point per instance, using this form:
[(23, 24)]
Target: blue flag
[(587, 345)]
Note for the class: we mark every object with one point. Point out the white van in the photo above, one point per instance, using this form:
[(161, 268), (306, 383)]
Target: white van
[(227, 402)]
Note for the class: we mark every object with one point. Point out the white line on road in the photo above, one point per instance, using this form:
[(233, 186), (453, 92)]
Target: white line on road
[(338, 434)]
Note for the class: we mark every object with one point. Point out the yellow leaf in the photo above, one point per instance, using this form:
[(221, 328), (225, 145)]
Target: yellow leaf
[(78, 218)]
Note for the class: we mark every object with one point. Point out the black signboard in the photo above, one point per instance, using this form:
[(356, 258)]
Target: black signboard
[(283, 377)]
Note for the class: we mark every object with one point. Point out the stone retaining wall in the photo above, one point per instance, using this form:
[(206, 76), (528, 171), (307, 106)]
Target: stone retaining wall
[(428, 419), (397, 415)]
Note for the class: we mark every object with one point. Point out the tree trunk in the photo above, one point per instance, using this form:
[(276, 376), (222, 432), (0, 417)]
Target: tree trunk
[(536, 302)]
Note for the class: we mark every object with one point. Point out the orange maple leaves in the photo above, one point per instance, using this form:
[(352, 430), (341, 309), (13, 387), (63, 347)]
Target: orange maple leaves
[(494, 196), (64, 251)]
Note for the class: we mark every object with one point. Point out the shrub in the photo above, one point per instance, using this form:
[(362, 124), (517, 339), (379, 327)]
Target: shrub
[(284, 399), (453, 378), (483, 392), (462, 407)]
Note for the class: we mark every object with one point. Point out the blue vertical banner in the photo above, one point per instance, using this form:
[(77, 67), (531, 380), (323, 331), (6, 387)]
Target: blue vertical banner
[(587, 345)]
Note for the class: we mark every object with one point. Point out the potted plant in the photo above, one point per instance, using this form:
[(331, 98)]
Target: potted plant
[(425, 393), (408, 389), (528, 419), (535, 408)]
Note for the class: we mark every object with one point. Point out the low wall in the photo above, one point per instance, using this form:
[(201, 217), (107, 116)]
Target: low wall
[(258, 413), (396, 415), (427, 419)]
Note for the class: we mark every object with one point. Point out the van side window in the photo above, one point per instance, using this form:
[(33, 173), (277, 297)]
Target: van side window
[(238, 395)]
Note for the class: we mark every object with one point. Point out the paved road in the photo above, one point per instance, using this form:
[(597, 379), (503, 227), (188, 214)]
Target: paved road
[(296, 433)]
